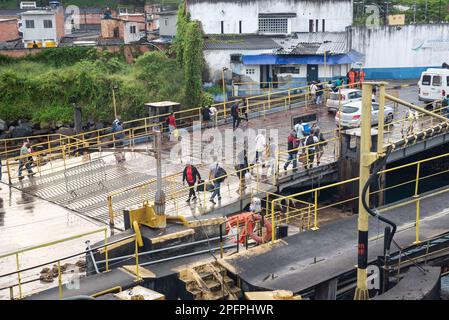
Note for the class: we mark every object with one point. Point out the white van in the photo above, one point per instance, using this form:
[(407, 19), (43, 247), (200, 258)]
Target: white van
[(433, 85)]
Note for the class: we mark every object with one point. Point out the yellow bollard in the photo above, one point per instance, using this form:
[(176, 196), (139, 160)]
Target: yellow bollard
[(18, 275), (106, 249)]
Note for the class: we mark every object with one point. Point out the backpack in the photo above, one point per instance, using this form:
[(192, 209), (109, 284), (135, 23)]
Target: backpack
[(306, 129), (295, 144), (189, 174), (220, 174)]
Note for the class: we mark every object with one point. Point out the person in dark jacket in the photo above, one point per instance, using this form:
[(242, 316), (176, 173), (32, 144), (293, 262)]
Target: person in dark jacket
[(191, 175), (235, 116)]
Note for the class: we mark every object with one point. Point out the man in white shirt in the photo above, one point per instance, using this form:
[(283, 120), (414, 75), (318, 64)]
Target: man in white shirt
[(313, 89), (260, 146)]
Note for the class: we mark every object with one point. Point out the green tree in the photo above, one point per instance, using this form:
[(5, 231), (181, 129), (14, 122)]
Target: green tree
[(181, 25), (193, 64)]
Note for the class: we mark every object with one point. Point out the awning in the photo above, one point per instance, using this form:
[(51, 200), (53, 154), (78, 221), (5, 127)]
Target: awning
[(269, 59)]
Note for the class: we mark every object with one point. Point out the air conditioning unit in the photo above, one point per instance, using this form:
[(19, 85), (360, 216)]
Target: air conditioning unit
[(28, 5)]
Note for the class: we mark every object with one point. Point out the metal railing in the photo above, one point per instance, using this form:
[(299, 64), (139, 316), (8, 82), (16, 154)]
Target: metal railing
[(416, 196), (19, 270)]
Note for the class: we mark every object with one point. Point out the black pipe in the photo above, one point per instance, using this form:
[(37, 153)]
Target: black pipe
[(377, 166)]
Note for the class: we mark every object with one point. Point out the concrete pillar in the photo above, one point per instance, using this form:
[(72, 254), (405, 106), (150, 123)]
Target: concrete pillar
[(326, 290)]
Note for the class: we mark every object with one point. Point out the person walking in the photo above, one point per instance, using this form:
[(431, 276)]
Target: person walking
[(292, 149), (260, 147), (235, 116), (242, 168), (313, 89), (319, 94), (310, 144), (218, 175), (351, 77), (119, 137), (299, 129), (319, 147), (171, 123), (272, 154), (191, 175), (213, 115), (24, 160), (205, 113)]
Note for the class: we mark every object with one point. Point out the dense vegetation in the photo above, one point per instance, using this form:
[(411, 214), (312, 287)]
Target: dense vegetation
[(41, 88)]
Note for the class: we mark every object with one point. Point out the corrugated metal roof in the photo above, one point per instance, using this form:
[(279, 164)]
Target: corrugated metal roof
[(240, 43), (314, 43)]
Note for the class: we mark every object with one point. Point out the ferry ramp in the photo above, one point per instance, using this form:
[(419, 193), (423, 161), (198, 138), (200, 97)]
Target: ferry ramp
[(312, 258)]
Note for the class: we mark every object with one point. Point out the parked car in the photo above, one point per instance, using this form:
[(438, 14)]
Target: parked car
[(347, 96), (433, 84), (351, 114)]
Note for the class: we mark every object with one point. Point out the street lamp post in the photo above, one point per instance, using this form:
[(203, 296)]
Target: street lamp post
[(114, 87), (224, 90)]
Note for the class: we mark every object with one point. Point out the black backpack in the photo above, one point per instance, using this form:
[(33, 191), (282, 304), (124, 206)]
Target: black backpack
[(220, 174)]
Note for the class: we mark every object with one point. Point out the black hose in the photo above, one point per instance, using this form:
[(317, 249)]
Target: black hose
[(377, 166)]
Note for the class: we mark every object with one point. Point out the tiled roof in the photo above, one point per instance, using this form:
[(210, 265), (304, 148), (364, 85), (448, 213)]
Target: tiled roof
[(240, 42)]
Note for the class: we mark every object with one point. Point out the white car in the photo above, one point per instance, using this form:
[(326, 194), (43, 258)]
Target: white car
[(351, 114), (347, 96)]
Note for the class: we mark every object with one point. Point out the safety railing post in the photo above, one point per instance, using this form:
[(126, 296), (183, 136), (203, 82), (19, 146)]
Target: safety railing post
[(237, 235), (417, 221), (106, 256), (111, 214), (273, 235), (418, 167), (59, 280), (18, 276), (315, 205), (221, 241), (137, 260)]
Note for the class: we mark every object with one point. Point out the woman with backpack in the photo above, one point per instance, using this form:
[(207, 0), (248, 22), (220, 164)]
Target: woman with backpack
[(191, 175)]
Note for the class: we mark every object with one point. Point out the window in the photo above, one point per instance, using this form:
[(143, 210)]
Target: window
[(48, 24), (436, 81), (310, 25), (426, 80), (375, 107), (222, 27), (316, 25), (240, 26), (236, 58), (291, 69), (273, 25), (250, 71), (132, 29), (29, 24), (166, 22), (324, 26)]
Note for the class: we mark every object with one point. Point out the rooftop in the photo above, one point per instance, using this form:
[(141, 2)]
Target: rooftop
[(314, 43), (240, 42)]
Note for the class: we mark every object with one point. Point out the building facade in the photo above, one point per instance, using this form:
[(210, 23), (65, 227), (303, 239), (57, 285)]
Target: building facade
[(9, 30), (266, 41), (42, 28), (271, 17)]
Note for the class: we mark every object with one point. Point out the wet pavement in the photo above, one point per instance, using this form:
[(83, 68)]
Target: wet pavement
[(27, 219)]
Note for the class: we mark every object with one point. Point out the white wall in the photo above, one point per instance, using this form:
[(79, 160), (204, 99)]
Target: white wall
[(167, 25), (337, 13), (129, 37), (217, 59), (39, 32), (404, 46)]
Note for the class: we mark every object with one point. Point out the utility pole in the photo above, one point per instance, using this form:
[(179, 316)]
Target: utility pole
[(159, 199), (367, 158)]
